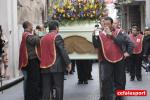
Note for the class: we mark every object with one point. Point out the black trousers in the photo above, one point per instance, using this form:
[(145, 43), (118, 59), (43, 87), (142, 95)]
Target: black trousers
[(127, 64), (82, 70), (32, 91), (52, 81), (89, 68), (73, 65), (112, 77), (135, 68)]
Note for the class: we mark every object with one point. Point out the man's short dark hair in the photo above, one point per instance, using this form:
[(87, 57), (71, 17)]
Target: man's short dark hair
[(135, 27), (26, 24), (53, 25), (38, 27), (109, 18)]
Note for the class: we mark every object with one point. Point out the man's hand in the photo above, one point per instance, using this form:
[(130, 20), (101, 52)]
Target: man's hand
[(107, 30), (93, 33), (69, 67), (126, 54)]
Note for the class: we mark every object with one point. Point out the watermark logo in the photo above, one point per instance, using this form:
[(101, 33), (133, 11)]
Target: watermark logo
[(131, 92)]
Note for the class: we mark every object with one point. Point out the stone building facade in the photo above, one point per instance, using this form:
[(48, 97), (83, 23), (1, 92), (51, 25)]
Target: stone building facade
[(12, 14), (134, 12)]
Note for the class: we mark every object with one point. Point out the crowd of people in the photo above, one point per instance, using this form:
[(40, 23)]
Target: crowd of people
[(119, 51), (44, 60)]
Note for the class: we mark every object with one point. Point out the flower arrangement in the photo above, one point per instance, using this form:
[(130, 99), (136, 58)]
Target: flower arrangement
[(71, 11)]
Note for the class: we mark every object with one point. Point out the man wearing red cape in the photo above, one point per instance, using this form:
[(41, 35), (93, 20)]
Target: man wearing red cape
[(54, 62), (136, 58), (114, 46), (29, 62)]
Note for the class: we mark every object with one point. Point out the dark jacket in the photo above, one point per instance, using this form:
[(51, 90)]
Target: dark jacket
[(32, 42), (122, 40), (1, 46), (62, 58), (146, 45)]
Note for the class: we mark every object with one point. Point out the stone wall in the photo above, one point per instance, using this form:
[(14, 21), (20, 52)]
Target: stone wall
[(147, 20), (30, 10)]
